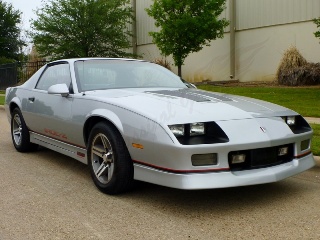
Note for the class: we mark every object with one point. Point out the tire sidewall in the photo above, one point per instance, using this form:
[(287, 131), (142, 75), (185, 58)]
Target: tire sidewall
[(122, 162), (25, 137)]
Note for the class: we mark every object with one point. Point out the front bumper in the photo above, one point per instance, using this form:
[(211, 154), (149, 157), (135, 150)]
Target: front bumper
[(223, 179)]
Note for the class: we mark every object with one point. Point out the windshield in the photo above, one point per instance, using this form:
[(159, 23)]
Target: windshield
[(109, 74)]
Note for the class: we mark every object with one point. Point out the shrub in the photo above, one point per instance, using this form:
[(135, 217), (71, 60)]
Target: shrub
[(163, 62), (294, 70)]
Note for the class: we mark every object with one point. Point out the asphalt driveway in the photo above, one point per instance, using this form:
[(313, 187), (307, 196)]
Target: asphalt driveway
[(45, 195)]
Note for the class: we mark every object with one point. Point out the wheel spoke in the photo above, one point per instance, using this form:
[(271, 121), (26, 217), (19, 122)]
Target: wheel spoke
[(17, 120), (17, 132), (110, 171), (102, 170), (105, 143), (98, 150)]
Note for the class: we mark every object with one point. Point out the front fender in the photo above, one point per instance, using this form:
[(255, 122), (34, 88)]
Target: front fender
[(108, 115), (11, 102)]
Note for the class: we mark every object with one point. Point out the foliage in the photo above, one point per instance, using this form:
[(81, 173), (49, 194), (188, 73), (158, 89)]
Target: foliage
[(294, 70), (10, 41), (304, 100), (82, 28), (317, 22), (186, 26), (292, 58), (163, 62)]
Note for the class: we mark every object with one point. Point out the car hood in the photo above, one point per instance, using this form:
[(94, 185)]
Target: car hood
[(174, 106)]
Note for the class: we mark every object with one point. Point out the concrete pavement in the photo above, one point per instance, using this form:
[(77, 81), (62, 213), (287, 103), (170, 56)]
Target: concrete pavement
[(313, 120)]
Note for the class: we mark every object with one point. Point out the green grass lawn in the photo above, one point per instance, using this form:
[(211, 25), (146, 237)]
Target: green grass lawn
[(316, 139), (2, 97), (305, 101)]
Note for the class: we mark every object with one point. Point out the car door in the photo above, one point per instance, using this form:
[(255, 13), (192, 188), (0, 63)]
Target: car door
[(50, 114)]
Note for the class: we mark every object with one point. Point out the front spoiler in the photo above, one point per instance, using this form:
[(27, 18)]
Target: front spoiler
[(225, 179)]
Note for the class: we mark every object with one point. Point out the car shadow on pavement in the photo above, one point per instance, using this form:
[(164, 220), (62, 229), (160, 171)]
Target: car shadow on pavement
[(182, 202), (215, 200)]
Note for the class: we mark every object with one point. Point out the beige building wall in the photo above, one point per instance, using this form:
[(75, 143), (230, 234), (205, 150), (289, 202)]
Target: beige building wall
[(264, 30), (259, 51)]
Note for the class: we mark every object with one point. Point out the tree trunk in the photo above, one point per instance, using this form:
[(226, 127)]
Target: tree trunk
[(179, 71)]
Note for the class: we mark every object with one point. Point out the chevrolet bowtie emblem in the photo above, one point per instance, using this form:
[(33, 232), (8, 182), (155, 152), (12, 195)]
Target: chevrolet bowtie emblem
[(263, 129)]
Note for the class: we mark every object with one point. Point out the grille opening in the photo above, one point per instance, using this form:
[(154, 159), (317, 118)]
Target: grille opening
[(261, 157)]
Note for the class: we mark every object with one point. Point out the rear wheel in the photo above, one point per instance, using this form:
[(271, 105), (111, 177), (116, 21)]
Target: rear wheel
[(20, 133), (109, 160)]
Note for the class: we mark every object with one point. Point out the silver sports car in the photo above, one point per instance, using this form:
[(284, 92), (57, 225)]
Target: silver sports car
[(130, 119)]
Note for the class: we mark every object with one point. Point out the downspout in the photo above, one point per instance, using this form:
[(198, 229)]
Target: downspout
[(233, 24), (134, 27)]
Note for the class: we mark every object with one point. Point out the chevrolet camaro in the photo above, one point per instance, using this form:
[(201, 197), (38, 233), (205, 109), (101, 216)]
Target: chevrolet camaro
[(135, 120)]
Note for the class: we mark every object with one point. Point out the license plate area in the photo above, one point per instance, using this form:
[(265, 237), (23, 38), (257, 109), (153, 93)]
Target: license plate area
[(261, 157)]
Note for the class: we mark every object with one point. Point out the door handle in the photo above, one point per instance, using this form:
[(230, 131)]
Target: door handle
[(31, 99)]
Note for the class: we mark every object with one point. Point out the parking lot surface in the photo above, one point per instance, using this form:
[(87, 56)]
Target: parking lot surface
[(45, 195)]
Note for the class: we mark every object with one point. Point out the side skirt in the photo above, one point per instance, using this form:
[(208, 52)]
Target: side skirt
[(77, 153)]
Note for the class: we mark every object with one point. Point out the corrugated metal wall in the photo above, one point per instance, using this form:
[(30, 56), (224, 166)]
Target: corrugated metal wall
[(250, 14), (262, 13), (145, 24)]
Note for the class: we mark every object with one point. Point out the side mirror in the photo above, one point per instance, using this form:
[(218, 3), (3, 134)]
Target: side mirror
[(61, 89), (189, 85), (192, 85)]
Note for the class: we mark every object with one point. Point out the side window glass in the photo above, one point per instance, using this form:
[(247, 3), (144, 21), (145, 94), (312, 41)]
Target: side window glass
[(55, 74)]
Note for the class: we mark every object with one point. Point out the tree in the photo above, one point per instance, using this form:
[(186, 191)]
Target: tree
[(10, 41), (317, 22), (82, 28), (186, 26)]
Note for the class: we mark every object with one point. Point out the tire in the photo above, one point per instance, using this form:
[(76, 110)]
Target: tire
[(20, 133), (110, 164)]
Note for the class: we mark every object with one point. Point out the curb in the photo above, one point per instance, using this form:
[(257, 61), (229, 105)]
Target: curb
[(1, 107), (312, 120)]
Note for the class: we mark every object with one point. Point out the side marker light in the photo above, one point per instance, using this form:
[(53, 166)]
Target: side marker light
[(136, 145)]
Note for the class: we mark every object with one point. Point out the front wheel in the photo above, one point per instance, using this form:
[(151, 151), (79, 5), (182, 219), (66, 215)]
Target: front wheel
[(20, 133), (109, 160)]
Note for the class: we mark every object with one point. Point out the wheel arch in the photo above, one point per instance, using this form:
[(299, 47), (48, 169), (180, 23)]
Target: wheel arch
[(102, 115), (14, 103)]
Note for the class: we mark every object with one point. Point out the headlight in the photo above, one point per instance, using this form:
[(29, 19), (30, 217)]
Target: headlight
[(198, 133), (177, 129), (192, 129), (291, 120), (197, 129), (297, 124)]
